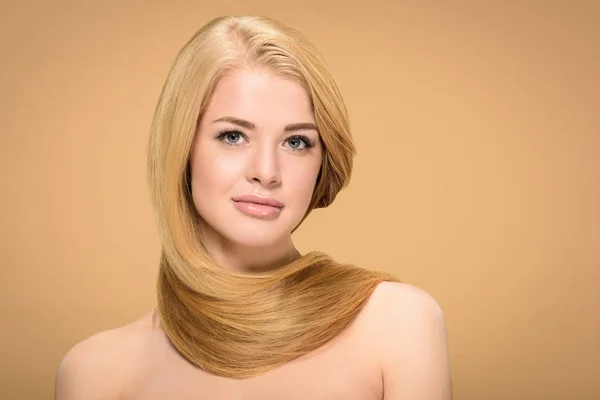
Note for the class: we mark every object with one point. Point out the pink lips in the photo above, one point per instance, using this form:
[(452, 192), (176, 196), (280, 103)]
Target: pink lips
[(257, 206)]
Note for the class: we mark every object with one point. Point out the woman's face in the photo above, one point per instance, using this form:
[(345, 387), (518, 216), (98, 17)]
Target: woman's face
[(258, 137)]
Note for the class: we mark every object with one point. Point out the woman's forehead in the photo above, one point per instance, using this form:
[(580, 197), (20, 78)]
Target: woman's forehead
[(260, 96)]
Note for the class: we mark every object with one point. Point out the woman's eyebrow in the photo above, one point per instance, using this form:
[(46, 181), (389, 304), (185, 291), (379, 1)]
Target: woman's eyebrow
[(300, 126), (249, 125)]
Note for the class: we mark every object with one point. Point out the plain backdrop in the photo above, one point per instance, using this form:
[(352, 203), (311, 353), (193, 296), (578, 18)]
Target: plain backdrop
[(477, 176)]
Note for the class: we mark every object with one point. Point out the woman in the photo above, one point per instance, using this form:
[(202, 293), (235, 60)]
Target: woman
[(249, 136)]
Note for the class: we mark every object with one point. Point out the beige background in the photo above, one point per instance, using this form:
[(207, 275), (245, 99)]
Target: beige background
[(477, 179)]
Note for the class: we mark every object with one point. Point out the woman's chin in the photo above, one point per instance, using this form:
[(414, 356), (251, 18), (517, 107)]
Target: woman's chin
[(256, 242)]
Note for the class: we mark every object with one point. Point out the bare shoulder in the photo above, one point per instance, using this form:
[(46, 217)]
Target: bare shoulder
[(100, 366), (398, 298), (397, 310), (411, 343)]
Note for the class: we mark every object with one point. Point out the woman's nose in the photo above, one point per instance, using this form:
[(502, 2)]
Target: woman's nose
[(264, 167)]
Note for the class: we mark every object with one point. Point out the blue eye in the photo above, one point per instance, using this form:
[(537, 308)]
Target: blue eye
[(295, 142), (299, 140), (234, 137)]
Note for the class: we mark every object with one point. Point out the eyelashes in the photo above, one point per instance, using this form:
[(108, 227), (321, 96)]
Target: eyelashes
[(228, 133)]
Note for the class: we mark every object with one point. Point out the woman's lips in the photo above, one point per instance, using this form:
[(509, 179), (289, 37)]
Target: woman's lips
[(254, 198), (257, 210)]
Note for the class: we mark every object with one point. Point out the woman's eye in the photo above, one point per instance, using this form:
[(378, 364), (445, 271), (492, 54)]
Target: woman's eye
[(296, 143), (299, 143), (236, 138), (231, 137)]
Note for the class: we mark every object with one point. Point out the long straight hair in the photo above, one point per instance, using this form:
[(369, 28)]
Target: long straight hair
[(226, 323)]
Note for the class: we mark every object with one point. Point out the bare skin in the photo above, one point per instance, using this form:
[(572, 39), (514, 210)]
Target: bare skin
[(344, 369), (395, 349)]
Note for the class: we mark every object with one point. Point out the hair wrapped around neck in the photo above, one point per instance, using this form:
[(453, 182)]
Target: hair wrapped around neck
[(230, 324)]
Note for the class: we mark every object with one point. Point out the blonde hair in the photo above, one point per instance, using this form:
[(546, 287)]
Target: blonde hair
[(231, 324)]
